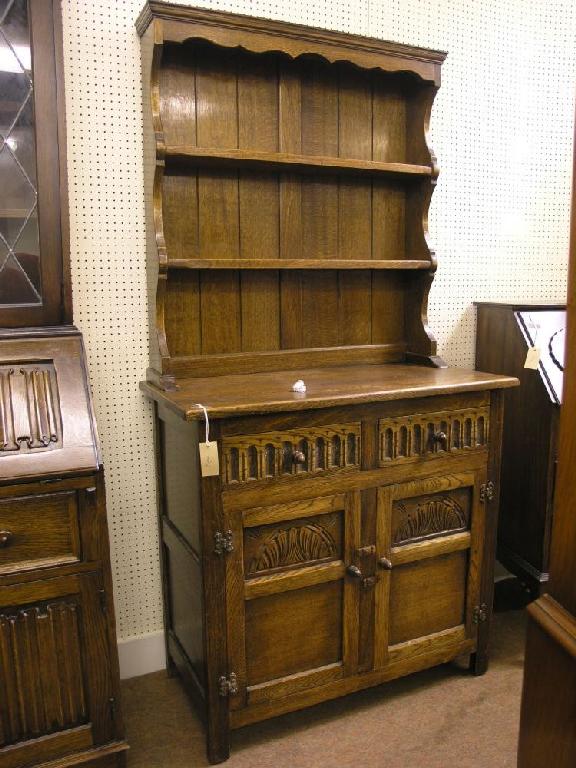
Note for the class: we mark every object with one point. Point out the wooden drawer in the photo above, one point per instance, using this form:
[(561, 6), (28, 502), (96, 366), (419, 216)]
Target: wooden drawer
[(420, 435), (296, 452), (39, 531)]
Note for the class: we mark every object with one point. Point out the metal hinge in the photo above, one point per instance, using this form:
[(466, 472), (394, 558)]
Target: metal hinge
[(112, 705), (228, 686), (103, 600), (480, 613), (487, 492), (223, 542)]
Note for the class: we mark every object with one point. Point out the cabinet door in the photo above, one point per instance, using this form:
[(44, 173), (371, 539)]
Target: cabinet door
[(292, 608), (54, 679), (429, 543)]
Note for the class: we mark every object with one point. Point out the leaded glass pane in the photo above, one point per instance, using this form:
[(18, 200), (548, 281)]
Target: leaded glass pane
[(20, 274)]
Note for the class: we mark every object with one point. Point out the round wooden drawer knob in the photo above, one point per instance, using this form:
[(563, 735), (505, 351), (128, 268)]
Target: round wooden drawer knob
[(5, 538), (298, 457), (441, 438)]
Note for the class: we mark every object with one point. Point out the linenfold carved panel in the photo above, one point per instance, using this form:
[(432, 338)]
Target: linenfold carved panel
[(406, 438), (40, 657), (270, 547), (424, 517), (30, 418), (295, 452)]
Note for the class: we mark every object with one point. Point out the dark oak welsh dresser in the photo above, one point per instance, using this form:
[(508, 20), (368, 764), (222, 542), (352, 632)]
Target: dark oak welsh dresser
[(345, 534), (59, 679)]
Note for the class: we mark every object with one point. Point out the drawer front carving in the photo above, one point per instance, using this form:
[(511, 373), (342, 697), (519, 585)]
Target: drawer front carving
[(39, 531), (407, 438), (425, 517), (41, 674), (295, 452), (291, 544)]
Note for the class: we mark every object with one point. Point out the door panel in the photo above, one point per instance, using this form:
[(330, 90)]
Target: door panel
[(53, 667), (295, 631), (292, 608), (429, 541), (427, 596)]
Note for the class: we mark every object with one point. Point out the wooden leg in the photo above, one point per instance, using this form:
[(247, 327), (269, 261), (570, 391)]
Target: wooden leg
[(478, 663), (217, 742), (171, 669)]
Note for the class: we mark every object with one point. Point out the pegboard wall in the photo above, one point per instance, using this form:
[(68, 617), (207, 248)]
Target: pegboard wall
[(502, 130)]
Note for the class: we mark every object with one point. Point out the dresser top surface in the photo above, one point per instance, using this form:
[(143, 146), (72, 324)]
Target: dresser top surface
[(238, 395)]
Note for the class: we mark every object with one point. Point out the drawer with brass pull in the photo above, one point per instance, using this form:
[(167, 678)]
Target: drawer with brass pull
[(39, 531), (306, 451)]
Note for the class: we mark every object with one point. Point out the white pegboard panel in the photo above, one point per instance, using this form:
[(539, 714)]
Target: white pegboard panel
[(501, 127)]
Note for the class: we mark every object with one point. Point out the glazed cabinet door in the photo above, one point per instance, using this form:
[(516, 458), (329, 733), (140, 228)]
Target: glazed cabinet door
[(292, 605), (430, 536), (55, 688)]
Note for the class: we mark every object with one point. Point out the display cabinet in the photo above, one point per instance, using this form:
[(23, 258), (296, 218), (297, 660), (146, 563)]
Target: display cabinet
[(346, 535)]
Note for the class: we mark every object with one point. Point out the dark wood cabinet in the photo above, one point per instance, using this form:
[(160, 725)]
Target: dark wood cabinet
[(347, 535), (59, 678), (58, 660), (504, 334)]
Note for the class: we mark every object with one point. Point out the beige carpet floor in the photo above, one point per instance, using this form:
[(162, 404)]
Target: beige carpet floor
[(440, 718)]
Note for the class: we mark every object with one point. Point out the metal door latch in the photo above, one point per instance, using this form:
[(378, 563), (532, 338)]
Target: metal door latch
[(223, 542)]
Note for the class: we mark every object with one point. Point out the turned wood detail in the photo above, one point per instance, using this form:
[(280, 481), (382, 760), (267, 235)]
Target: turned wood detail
[(279, 454), (426, 518), (410, 437), (40, 653), (30, 418), (290, 546)]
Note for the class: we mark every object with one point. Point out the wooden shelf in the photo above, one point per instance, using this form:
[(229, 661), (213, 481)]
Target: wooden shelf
[(225, 158), (298, 264)]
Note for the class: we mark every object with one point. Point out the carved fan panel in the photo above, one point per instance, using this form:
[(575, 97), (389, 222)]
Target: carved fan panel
[(294, 452), (407, 438), (424, 517), (294, 543)]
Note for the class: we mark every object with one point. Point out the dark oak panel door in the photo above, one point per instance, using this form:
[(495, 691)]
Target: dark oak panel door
[(56, 689), (430, 537), (292, 604)]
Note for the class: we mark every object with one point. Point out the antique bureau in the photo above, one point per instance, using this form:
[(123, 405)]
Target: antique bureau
[(333, 538), (59, 677)]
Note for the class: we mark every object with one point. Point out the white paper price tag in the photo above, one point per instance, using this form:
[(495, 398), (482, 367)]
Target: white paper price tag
[(209, 462), (532, 358)]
